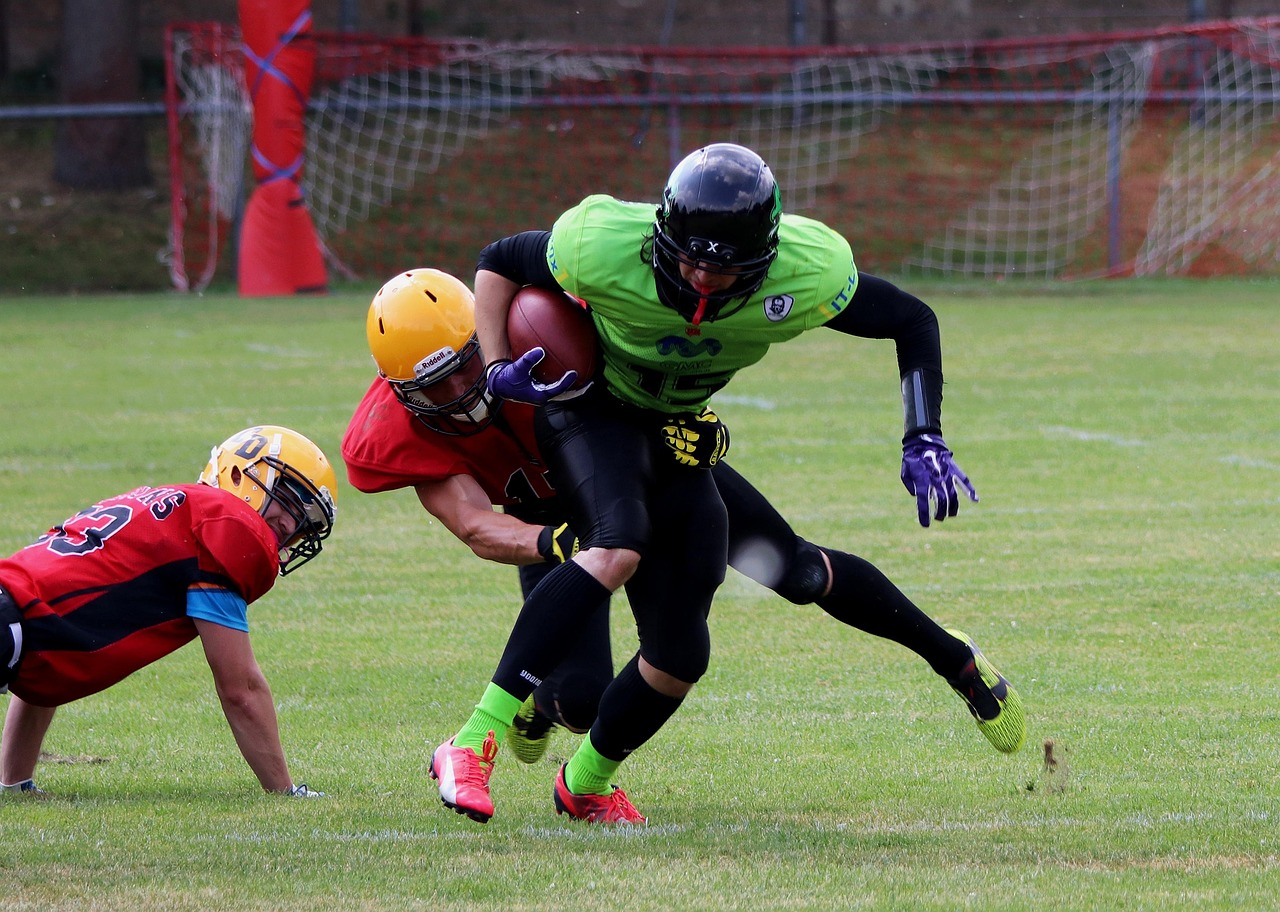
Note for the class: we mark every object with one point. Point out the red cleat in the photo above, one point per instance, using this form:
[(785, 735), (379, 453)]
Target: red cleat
[(464, 777), (611, 808)]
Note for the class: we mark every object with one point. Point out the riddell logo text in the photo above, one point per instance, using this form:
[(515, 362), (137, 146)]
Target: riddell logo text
[(427, 364)]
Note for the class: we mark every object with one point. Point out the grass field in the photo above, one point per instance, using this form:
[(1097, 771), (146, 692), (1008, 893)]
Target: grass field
[(1123, 569)]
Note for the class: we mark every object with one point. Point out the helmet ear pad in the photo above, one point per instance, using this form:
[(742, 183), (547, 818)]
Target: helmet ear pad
[(720, 211)]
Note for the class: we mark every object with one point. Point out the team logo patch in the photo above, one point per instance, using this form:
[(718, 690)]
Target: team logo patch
[(776, 307), (687, 349)]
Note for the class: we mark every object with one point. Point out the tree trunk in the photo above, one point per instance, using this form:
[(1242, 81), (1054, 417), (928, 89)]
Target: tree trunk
[(99, 63)]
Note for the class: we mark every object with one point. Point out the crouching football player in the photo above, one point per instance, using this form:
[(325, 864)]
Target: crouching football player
[(133, 577)]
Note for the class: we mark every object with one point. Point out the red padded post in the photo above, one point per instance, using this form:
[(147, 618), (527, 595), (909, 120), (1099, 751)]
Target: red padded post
[(279, 251)]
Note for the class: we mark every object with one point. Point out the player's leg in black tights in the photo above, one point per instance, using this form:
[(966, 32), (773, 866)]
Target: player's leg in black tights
[(570, 696), (763, 547)]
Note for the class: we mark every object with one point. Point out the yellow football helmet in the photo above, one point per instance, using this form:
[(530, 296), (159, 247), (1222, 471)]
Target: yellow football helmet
[(422, 333), (269, 463)]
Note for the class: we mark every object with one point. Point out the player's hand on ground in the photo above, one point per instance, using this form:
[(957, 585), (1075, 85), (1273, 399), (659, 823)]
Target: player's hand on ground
[(698, 441), (26, 787), (930, 473), (514, 379), (302, 790)]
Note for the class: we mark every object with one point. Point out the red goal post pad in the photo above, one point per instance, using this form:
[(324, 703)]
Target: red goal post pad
[(279, 249)]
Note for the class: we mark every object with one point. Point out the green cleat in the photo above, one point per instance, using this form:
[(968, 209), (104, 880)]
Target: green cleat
[(529, 734), (991, 699)]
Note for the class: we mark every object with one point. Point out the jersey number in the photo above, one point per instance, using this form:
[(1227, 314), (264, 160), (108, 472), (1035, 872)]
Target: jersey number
[(521, 488), (687, 389), (87, 531)]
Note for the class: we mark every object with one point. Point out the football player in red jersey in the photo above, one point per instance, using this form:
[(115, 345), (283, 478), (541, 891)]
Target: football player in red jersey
[(428, 422), (133, 577)]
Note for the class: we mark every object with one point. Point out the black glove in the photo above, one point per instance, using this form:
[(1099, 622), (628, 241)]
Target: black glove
[(698, 441), (557, 544)]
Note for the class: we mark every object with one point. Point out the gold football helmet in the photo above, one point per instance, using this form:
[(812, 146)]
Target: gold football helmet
[(266, 464), (422, 333)]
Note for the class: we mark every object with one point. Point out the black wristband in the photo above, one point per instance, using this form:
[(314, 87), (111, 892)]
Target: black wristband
[(546, 544), (921, 402)]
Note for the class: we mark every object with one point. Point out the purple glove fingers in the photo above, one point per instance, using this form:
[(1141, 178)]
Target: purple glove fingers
[(929, 472), (514, 379)]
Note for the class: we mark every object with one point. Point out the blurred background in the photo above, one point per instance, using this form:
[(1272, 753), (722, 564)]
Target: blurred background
[(92, 160)]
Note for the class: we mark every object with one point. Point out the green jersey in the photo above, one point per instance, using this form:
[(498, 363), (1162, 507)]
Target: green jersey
[(653, 357)]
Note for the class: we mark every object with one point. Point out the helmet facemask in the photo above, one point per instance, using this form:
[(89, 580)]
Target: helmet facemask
[(268, 465), (469, 411), (720, 213), (695, 305), (310, 508)]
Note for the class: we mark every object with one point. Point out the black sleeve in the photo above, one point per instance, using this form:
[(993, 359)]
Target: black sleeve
[(522, 258), (882, 310)]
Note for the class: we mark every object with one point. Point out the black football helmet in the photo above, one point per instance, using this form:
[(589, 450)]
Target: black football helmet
[(720, 210)]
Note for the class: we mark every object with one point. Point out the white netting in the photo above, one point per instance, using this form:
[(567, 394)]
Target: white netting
[(1223, 183), (220, 112), (374, 136), (824, 107), (1032, 222), (994, 159)]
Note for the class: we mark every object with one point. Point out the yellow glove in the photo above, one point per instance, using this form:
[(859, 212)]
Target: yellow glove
[(699, 441), (557, 544)]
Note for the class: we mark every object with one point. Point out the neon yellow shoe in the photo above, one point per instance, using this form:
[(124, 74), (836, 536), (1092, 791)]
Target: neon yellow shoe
[(991, 699), (529, 734)]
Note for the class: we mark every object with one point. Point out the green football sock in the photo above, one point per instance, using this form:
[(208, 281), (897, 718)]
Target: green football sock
[(493, 713), (588, 773)]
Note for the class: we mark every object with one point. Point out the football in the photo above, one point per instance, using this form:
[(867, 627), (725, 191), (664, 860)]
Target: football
[(561, 326)]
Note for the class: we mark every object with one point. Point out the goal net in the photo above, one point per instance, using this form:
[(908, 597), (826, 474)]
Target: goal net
[(1080, 155)]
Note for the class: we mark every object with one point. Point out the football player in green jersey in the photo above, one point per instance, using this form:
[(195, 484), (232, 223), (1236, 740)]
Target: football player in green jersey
[(681, 301)]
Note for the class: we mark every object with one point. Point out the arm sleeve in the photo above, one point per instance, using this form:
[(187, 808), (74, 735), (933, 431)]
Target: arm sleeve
[(520, 258), (218, 606), (882, 310)]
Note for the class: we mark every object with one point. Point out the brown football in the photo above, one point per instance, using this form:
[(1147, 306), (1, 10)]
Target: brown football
[(561, 326)]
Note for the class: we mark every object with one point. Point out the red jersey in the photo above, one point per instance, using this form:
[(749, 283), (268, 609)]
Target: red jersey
[(105, 593), (386, 447)]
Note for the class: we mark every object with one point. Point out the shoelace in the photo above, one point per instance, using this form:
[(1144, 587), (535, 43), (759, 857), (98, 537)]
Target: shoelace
[(621, 809), (484, 766)]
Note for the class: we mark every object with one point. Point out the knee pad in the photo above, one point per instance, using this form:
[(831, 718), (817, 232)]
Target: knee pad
[(806, 577)]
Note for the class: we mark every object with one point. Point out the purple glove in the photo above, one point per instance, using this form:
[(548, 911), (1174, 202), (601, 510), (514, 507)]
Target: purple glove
[(514, 379), (929, 474)]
